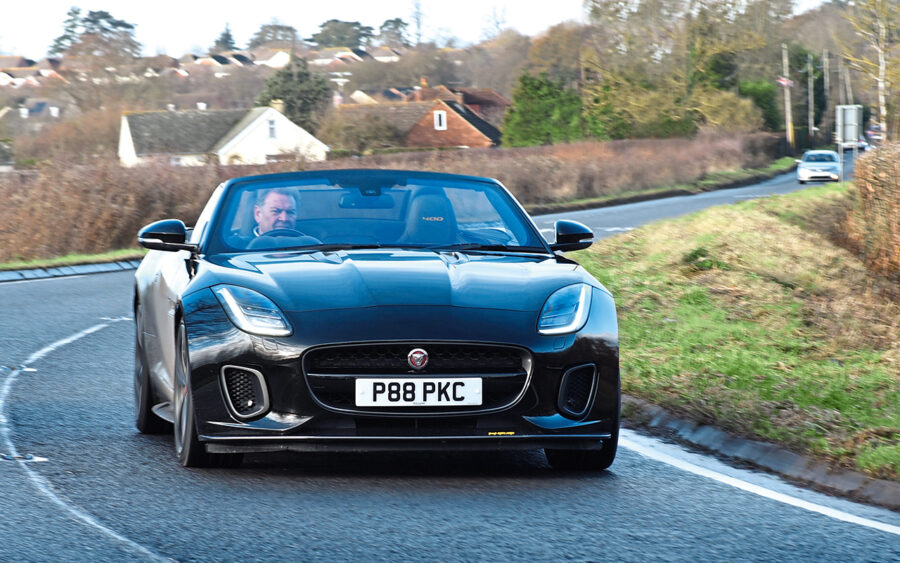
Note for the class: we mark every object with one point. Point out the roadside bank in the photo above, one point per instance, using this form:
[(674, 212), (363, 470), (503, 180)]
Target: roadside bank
[(747, 318)]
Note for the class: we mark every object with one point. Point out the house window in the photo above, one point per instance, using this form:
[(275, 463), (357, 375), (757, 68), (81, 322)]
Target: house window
[(440, 121), (271, 128)]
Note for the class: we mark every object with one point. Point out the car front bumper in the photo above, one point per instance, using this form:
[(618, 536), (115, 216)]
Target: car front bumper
[(298, 418)]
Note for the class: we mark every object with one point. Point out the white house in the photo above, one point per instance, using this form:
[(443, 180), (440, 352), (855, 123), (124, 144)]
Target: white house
[(273, 58), (194, 137)]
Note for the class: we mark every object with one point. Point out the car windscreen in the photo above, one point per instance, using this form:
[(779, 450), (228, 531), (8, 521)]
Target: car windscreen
[(411, 213), (820, 158)]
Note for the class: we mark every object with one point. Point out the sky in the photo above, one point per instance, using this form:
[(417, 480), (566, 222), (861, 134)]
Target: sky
[(176, 27)]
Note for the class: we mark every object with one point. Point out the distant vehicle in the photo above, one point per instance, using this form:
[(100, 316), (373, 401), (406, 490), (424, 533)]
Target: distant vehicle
[(819, 166), (861, 145), (368, 310)]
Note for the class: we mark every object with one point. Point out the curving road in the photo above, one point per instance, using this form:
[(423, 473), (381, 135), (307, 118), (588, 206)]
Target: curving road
[(96, 490)]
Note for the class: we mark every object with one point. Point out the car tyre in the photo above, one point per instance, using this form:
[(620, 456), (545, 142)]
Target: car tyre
[(802, 181), (188, 448), (146, 421)]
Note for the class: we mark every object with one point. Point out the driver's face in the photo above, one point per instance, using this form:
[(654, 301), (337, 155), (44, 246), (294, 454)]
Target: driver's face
[(278, 211)]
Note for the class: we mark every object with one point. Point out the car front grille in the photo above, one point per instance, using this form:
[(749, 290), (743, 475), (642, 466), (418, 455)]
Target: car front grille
[(332, 372)]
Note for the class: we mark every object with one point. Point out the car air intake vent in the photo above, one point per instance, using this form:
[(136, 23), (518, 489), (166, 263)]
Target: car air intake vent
[(576, 389), (245, 390)]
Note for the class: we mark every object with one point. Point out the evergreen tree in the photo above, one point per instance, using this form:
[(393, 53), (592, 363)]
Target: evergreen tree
[(225, 42), (392, 33), (71, 31), (543, 112), (337, 33), (304, 93), (272, 32)]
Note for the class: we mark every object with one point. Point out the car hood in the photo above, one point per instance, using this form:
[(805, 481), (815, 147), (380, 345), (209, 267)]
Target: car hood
[(303, 281)]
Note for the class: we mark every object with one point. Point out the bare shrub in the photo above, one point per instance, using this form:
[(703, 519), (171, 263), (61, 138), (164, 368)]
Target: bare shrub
[(63, 208), (588, 168), (91, 135), (873, 227)]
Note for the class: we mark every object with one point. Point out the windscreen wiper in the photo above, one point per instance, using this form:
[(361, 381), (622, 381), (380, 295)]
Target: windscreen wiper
[(330, 247), (474, 246)]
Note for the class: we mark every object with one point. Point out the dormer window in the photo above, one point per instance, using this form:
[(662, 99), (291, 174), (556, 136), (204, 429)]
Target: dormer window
[(440, 121), (271, 128)]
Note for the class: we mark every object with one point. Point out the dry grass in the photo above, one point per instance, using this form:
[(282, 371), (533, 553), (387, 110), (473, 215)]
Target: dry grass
[(589, 169), (63, 208), (749, 318)]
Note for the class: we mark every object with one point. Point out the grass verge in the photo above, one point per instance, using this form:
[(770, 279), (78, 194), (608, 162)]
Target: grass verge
[(747, 317), (74, 259), (710, 182)]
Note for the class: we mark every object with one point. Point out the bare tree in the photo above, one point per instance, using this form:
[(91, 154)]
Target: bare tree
[(417, 20), (876, 22)]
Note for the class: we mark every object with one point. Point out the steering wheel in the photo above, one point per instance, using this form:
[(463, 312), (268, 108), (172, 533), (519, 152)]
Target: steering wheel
[(282, 232)]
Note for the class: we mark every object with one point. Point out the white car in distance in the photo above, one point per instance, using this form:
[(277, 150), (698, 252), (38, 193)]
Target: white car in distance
[(819, 166)]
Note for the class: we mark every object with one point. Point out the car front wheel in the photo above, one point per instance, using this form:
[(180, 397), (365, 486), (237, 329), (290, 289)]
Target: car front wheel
[(145, 419), (188, 448)]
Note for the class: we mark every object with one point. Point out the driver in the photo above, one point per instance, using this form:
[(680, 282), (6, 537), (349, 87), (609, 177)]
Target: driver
[(274, 209)]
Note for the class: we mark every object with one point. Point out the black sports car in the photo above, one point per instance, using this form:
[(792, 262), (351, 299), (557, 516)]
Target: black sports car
[(372, 310)]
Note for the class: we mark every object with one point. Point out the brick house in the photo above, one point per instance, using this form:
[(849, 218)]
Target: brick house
[(438, 123)]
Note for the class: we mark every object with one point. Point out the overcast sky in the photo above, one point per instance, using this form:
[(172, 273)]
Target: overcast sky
[(176, 27)]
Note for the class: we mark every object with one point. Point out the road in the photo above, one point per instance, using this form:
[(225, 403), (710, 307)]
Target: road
[(96, 490), (607, 221)]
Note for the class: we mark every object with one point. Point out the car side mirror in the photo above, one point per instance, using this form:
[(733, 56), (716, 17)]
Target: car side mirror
[(797, 160), (572, 235), (169, 235)]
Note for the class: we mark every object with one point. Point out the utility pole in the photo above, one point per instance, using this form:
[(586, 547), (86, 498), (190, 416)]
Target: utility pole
[(788, 118), (827, 77), (848, 85), (842, 93), (811, 101)]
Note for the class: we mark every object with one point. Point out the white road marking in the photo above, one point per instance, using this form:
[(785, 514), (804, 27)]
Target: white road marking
[(39, 482), (646, 450)]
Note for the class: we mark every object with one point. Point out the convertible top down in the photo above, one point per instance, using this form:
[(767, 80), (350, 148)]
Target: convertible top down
[(369, 310)]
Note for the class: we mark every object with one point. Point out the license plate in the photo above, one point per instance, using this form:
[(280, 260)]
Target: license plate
[(418, 392)]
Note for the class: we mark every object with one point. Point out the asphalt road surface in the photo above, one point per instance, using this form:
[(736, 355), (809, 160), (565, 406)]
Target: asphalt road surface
[(96, 490), (608, 221)]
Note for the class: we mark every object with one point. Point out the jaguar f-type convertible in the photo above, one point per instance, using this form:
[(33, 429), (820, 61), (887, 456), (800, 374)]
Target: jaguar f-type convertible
[(363, 310)]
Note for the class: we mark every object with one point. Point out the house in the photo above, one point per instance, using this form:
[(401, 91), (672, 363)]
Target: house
[(385, 54), (194, 137), (341, 55), (14, 61), (272, 58), (487, 102), (438, 123)]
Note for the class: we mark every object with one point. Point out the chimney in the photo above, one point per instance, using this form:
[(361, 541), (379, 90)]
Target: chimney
[(277, 105), (201, 106)]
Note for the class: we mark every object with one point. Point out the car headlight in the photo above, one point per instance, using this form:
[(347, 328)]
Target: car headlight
[(566, 310), (251, 311)]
